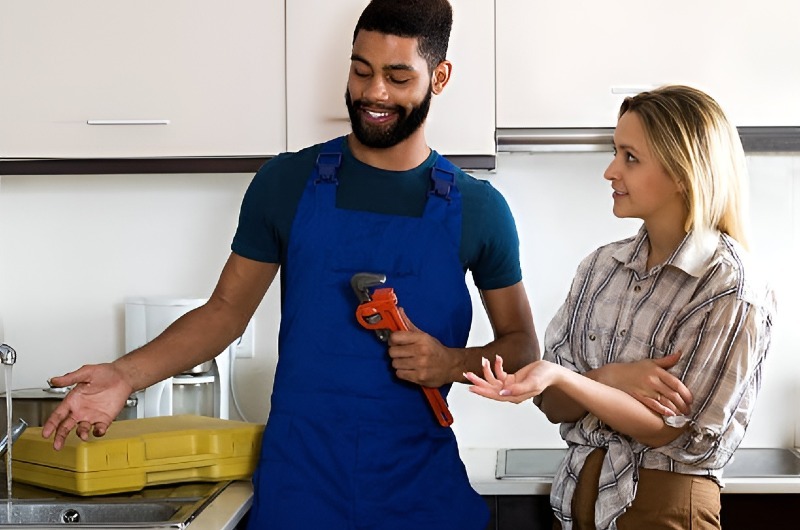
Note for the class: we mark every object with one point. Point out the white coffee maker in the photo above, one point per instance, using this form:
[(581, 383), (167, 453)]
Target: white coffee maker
[(202, 390)]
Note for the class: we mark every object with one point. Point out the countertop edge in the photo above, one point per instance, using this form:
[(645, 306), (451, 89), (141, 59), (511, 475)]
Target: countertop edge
[(227, 509), (480, 464)]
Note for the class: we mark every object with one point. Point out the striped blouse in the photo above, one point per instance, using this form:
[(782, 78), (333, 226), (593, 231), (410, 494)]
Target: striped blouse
[(706, 301)]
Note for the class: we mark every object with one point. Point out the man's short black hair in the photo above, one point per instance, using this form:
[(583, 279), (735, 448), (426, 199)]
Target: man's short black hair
[(429, 21)]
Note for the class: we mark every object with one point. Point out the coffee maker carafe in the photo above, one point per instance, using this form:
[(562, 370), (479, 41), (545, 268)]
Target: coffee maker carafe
[(202, 390)]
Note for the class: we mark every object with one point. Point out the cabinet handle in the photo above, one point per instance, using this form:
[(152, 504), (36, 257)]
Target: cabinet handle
[(127, 122), (547, 140)]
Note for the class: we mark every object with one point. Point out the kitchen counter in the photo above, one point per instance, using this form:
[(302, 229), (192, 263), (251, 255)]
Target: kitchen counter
[(481, 467), (232, 504)]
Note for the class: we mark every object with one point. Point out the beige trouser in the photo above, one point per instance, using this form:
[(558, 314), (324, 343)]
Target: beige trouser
[(664, 500)]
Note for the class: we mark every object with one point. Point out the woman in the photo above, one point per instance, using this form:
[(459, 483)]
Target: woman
[(653, 363)]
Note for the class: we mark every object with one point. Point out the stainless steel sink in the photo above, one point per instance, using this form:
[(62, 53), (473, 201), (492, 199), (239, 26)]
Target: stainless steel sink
[(763, 463), (528, 463), (89, 513), (160, 507)]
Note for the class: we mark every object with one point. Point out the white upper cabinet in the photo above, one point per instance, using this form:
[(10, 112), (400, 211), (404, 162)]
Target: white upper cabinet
[(570, 63), (318, 46), (151, 78)]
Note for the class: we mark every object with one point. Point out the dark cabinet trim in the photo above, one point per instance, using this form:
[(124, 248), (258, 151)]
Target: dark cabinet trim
[(740, 511), (110, 166), (102, 166)]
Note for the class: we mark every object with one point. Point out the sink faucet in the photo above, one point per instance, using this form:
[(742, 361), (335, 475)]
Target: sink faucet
[(16, 430), (7, 354)]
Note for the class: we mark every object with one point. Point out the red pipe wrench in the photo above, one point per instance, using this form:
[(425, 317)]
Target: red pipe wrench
[(379, 312)]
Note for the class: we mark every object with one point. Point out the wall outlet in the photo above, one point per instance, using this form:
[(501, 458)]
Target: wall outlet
[(244, 347)]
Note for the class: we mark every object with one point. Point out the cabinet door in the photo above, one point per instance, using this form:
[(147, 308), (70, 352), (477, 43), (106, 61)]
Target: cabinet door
[(151, 78), (318, 45), (570, 63)]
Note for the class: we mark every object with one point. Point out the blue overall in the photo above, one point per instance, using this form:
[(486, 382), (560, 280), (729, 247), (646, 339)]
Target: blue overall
[(348, 445)]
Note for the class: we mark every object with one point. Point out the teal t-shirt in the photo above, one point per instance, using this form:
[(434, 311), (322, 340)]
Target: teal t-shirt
[(489, 241)]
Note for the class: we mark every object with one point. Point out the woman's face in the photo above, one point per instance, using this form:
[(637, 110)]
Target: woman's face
[(642, 187)]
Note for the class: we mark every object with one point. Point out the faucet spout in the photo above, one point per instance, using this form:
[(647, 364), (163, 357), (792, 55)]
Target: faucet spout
[(7, 354), (16, 431)]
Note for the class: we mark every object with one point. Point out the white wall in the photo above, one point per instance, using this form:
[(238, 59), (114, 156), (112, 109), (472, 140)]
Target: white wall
[(73, 247)]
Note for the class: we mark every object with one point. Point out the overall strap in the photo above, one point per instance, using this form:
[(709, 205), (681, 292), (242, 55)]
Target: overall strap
[(444, 198), (328, 161), (443, 178)]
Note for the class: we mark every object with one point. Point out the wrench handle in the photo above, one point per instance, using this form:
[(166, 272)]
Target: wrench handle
[(438, 406), (381, 314), (433, 395)]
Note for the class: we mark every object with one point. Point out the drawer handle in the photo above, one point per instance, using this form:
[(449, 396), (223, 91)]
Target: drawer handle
[(127, 122)]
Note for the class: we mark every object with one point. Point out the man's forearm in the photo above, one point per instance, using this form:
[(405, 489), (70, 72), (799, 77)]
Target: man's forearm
[(517, 350)]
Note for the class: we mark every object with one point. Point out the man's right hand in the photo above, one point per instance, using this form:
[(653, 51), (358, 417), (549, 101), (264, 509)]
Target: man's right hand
[(99, 394)]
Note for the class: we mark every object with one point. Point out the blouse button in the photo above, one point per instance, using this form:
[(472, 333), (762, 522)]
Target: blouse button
[(637, 288), (592, 337)]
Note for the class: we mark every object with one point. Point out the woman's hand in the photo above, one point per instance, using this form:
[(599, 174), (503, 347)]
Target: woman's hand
[(649, 382), (530, 381)]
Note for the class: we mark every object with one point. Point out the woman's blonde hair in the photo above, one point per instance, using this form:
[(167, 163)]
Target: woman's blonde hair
[(696, 144)]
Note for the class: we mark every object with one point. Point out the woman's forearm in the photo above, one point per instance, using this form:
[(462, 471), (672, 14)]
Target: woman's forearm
[(615, 408), (560, 407)]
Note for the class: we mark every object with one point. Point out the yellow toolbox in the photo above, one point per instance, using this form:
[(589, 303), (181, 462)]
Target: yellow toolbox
[(138, 453)]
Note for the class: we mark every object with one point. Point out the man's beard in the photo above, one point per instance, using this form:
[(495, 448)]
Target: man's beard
[(386, 136)]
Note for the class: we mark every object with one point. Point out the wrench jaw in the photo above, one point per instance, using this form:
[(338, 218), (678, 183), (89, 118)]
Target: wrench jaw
[(361, 283)]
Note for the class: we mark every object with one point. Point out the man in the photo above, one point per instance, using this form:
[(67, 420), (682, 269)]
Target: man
[(350, 441)]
